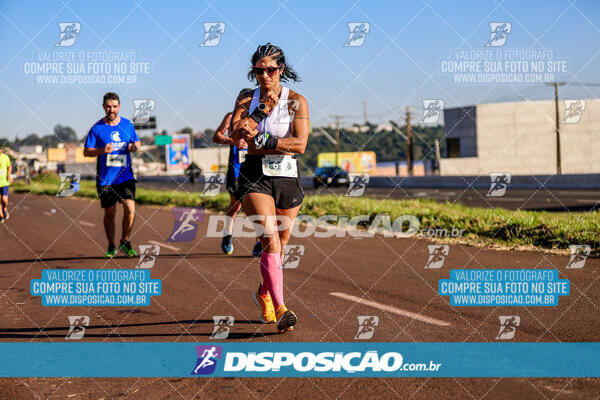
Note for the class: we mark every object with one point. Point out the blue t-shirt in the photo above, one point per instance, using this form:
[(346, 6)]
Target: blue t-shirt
[(115, 167)]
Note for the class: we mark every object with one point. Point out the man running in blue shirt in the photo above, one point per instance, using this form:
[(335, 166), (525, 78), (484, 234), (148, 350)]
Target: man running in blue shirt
[(111, 140)]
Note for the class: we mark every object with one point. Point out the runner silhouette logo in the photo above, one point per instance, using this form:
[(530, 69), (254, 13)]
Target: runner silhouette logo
[(508, 327), (499, 184), (77, 326), (358, 34), (213, 181), (186, 220), (432, 109), (498, 33), (573, 111), (366, 326), (148, 254), (579, 254), (358, 184), (69, 184), (142, 110), (223, 324), (68, 33), (437, 255), (292, 254), (212, 34), (207, 359)]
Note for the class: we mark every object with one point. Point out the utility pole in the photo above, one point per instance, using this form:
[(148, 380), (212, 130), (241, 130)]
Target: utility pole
[(409, 146), (437, 157), (337, 140), (365, 111), (558, 158)]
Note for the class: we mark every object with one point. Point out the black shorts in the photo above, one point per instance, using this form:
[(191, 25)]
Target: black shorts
[(113, 194), (287, 192)]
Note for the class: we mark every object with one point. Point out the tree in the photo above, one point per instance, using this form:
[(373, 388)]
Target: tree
[(65, 134)]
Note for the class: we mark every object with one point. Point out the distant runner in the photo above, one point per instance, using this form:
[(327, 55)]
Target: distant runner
[(111, 140), (5, 180)]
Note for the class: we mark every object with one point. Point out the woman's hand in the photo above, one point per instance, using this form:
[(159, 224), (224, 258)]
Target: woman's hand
[(241, 144), (244, 129), (270, 99)]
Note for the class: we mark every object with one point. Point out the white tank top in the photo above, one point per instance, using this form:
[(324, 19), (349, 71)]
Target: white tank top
[(278, 122)]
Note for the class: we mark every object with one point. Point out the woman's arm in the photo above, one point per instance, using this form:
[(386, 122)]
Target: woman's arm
[(300, 126), (219, 135), (240, 123), (242, 126), (300, 129)]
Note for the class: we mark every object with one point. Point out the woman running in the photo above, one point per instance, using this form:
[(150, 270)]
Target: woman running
[(273, 120), (237, 152)]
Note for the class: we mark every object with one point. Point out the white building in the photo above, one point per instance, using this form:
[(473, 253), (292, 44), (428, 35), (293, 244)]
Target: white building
[(520, 138), (211, 159)]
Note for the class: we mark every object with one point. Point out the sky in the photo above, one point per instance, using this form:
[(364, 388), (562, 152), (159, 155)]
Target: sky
[(398, 62)]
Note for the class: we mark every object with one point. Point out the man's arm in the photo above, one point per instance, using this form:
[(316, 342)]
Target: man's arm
[(9, 172), (219, 135), (93, 152), (133, 147), (137, 143), (89, 148)]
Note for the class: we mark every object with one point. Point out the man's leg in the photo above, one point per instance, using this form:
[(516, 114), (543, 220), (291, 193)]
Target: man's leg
[(3, 205), (109, 223), (128, 217)]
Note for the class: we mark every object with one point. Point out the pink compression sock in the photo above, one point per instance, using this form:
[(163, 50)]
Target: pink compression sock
[(270, 269)]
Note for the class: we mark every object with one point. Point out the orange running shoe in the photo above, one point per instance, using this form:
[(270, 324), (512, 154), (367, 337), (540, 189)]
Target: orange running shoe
[(265, 304), (286, 319)]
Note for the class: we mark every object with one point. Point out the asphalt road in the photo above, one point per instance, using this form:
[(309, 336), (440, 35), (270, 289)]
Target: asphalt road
[(199, 282), (548, 200)]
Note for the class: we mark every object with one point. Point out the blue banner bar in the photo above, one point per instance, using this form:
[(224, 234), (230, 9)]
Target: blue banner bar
[(368, 359)]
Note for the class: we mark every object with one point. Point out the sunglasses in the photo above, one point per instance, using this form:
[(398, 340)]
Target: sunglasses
[(270, 70)]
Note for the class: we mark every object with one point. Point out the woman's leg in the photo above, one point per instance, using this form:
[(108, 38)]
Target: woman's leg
[(288, 218), (261, 208)]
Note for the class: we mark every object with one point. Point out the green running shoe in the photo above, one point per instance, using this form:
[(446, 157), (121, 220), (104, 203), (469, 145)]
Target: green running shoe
[(111, 252), (127, 249)]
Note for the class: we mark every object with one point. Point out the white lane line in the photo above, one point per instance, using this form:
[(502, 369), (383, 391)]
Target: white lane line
[(85, 223), (391, 309), (587, 200), (164, 245)]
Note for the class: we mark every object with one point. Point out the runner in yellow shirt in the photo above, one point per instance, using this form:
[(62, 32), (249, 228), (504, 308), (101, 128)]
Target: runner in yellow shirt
[(5, 180)]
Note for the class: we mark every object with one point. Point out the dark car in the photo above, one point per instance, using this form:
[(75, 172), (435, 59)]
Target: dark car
[(330, 176)]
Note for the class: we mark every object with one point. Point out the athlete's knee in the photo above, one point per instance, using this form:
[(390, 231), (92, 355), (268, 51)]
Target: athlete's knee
[(271, 244), (128, 207)]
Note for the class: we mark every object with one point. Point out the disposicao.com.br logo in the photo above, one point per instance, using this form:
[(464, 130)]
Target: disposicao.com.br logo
[(322, 363)]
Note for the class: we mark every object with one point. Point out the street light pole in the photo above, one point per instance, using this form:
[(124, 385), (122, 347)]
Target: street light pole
[(557, 128)]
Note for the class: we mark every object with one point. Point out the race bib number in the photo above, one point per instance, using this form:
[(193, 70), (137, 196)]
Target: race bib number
[(242, 155), (276, 165), (116, 160)]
